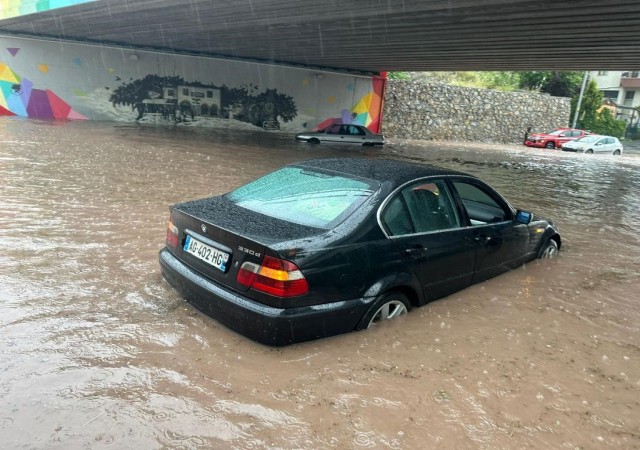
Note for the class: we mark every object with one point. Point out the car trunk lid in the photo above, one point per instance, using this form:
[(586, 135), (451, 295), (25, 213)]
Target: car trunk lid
[(215, 237)]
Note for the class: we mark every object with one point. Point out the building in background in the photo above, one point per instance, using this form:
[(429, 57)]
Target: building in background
[(623, 89)]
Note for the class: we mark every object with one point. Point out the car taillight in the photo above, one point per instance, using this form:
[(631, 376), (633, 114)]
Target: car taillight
[(172, 234), (274, 276)]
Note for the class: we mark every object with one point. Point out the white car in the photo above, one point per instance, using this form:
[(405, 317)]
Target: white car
[(345, 133), (594, 144)]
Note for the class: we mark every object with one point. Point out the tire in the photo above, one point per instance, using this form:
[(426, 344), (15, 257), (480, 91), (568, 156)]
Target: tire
[(550, 145), (616, 152), (590, 152), (386, 307), (314, 141), (549, 250)]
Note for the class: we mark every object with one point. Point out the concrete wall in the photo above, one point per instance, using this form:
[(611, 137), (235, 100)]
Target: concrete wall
[(64, 80), (415, 110)]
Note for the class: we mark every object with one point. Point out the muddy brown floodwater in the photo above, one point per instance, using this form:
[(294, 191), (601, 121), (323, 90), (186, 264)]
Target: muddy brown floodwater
[(97, 351)]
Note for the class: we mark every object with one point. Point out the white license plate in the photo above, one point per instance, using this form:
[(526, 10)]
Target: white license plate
[(208, 254)]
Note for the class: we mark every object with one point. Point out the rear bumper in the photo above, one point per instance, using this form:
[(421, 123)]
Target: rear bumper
[(262, 323)]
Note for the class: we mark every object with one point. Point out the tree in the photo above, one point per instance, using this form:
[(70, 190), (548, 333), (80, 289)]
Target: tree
[(591, 103), (137, 91), (557, 84), (593, 117), (605, 123)]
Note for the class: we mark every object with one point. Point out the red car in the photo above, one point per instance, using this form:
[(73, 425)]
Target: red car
[(555, 138)]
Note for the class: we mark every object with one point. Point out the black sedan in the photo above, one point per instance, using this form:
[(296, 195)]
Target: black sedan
[(327, 246)]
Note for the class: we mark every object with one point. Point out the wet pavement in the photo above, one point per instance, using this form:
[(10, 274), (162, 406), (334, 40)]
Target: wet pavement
[(97, 351)]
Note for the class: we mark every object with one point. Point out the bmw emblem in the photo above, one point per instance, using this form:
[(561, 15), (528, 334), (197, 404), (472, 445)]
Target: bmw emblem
[(204, 228)]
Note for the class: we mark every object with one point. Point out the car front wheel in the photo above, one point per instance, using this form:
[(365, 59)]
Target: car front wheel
[(550, 144), (550, 250), (386, 307), (616, 152)]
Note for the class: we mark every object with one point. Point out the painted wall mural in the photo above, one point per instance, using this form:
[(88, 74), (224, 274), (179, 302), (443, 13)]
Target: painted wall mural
[(14, 8), (367, 110), (176, 100), (84, 81), (19, 98)]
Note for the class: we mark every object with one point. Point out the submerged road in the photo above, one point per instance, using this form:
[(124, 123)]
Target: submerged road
[(97, 351)]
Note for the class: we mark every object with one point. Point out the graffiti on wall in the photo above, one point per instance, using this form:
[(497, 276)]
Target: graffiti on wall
[(18, 97), (174, 99), (15, 8), (93, 83), (365, 112)]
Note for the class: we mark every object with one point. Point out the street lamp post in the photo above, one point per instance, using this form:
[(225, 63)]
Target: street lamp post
[(584, 84)]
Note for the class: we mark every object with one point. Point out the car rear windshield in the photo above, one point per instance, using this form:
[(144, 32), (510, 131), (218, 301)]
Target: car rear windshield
[(304, 196)]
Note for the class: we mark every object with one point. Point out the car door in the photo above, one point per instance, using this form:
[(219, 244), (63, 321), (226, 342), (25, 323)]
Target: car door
[(565, 137), (600, 146), (424, 223), (501, 241), (355, 135), (335, 133)]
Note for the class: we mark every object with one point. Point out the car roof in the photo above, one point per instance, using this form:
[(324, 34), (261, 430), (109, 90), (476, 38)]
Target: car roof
[(396, 171)]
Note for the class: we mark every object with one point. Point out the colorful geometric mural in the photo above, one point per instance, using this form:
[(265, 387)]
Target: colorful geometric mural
[(366, 111), (14, 8), (19, 98)]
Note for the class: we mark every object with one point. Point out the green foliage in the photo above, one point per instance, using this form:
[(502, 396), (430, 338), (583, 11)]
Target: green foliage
[(591, 103), (557, 84), (605, 123), (506, 81), (398, 75), (593, 117)]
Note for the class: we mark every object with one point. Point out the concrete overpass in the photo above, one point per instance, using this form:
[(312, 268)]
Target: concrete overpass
[(366, 36)]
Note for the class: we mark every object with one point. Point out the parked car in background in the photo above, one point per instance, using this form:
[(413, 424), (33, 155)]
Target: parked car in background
[(595, 144), (555, 138), (328, 246), (344, 133)]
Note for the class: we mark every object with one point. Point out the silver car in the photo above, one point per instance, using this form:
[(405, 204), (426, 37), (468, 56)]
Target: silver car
[(340, 132), (594, 144)]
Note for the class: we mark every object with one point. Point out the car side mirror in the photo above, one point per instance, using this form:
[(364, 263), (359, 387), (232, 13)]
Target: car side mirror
[(524, 217)]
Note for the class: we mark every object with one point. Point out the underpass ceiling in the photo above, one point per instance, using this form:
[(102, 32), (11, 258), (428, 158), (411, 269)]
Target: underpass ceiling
[(362, 35)]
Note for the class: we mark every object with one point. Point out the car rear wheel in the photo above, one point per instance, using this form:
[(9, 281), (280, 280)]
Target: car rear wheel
[(550, 144), (314, 141), (589, 151), (386, 307), (550, 250), (616, 152)]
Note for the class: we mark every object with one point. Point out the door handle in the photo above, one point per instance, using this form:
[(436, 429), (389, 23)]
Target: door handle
[(414, 251), (482, 239)]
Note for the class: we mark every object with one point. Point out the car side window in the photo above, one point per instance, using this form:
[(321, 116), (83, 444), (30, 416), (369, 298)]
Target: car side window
[(395, 218), (481, 207), (420, 208), (357, 131)]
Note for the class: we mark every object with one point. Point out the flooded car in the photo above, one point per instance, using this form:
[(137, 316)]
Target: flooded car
[(328, 246), (555, 138), (594, 144), (343, 133)]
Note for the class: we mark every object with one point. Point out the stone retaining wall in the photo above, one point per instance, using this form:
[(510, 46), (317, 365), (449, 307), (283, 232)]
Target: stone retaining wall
[(418, 110)]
